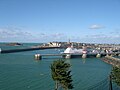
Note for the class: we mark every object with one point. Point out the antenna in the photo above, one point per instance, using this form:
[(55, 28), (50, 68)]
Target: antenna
[(69, 40)]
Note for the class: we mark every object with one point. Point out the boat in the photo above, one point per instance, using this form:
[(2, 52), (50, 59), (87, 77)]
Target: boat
[(72, 52)]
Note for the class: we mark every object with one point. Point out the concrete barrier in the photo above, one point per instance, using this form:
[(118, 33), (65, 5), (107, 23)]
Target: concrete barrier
[(38, 57), (68, 56), (98, 55), (84, 55)]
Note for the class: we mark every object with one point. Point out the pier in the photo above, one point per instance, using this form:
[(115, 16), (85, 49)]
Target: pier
[(70, 55), (26, 49)]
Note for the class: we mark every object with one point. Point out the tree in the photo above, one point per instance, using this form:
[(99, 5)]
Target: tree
[(116, 75), (61, 74)]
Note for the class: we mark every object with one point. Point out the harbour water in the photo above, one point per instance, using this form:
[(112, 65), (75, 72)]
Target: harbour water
[(20, 71)]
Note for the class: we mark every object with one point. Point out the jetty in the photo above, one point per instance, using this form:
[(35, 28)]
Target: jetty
[(26, 49)]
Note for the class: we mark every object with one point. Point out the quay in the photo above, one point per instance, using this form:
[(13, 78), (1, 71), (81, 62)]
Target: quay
[(112, 60), (26, 49)]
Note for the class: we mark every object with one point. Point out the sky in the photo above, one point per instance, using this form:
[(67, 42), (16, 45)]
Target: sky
[(85, 21)]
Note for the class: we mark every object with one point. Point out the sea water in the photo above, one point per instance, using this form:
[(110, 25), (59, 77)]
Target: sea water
[(20, 71)]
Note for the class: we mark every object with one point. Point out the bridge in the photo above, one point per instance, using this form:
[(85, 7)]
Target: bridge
[(76, 55)]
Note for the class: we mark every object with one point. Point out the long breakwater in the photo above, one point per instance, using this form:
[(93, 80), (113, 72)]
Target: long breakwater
[(26, 49)]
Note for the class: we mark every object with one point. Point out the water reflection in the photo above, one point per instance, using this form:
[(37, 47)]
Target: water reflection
[(83, 60)]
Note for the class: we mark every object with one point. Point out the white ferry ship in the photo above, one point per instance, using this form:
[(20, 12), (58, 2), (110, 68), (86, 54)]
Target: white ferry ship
[(72, 52)]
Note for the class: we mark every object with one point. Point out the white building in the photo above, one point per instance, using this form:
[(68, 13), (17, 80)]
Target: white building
[(54, 44)]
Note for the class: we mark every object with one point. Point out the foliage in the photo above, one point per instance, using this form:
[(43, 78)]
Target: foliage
[(116, 75), (61, 74)]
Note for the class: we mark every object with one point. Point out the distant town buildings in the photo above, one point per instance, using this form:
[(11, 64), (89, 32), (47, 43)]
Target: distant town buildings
[(108, 47)]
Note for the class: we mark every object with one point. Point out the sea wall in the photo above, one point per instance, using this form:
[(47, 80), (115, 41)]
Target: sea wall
[(112, 60), (26, 49)]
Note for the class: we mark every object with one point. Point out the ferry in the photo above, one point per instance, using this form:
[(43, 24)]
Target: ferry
[(72, 52)]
